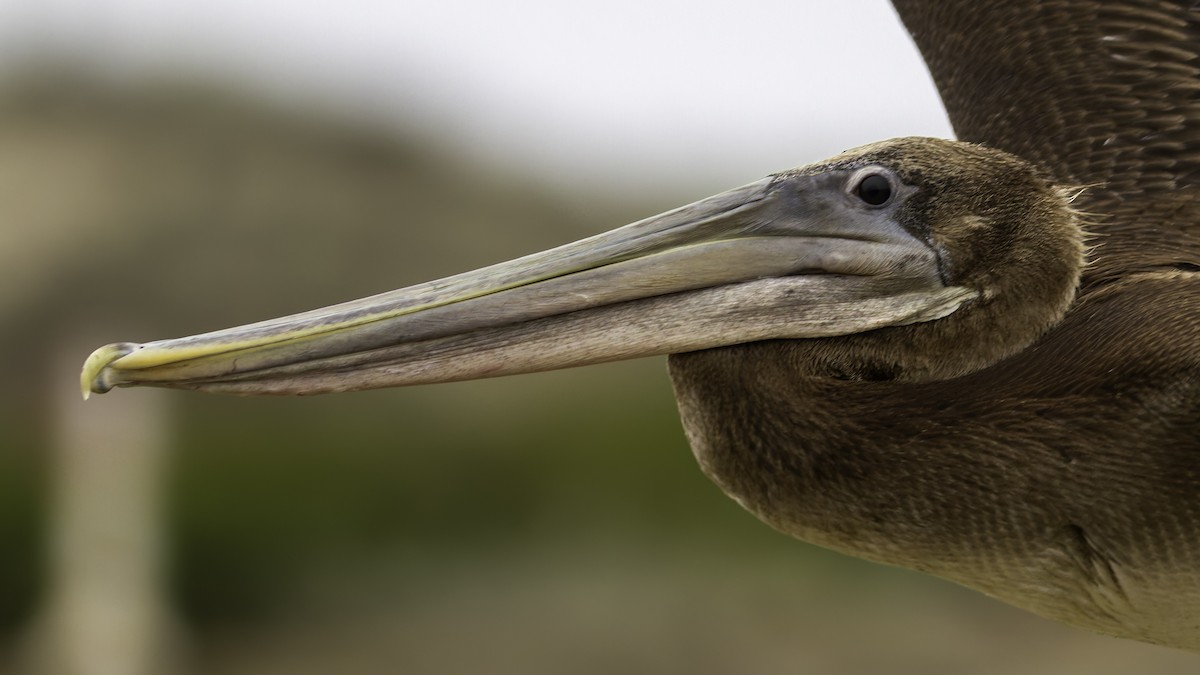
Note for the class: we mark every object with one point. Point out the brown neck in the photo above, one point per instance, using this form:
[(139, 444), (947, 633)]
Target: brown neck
[(837, 452)]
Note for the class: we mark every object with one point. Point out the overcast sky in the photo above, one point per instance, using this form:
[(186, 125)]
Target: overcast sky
[(624, 92)]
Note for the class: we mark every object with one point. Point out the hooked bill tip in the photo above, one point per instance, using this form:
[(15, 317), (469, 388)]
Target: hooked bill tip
[(92, 379)]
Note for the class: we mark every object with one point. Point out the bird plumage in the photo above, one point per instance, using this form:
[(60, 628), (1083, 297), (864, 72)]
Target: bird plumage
[(1107, 95), (1064, 478)]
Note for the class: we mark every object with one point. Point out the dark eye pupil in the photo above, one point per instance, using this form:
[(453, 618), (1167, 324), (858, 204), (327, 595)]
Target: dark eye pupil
[(874, 189)]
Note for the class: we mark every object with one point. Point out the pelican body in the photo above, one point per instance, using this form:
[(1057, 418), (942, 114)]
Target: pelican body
[(905, 352)]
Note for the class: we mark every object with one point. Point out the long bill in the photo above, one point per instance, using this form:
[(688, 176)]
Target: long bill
[(759, 262)]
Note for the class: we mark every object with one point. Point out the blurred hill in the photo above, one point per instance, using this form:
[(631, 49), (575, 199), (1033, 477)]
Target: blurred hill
[(107, 187), (549, 523)]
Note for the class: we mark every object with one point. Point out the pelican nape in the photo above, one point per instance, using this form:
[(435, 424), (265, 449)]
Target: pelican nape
[(900, 352)]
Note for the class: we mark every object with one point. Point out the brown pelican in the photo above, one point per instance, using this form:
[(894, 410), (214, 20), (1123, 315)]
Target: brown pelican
[(904, 352)]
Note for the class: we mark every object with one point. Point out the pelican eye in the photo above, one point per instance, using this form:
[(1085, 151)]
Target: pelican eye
[(874, 189)]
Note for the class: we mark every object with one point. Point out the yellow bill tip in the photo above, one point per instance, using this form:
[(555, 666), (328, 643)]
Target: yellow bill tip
[(91, 379)]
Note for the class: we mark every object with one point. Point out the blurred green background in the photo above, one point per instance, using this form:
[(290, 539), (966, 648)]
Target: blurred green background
[(549, 523)]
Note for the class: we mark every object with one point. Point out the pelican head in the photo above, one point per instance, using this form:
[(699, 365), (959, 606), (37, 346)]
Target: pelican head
[(946, 238)]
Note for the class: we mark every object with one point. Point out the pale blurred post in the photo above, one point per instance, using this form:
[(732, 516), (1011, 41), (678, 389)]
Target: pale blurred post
[(105, 612)]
